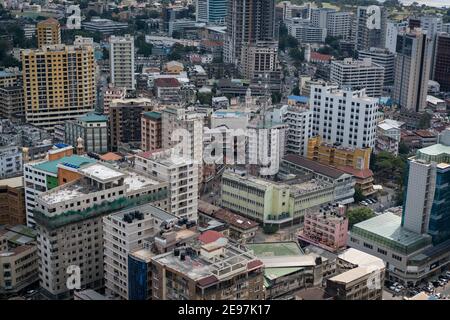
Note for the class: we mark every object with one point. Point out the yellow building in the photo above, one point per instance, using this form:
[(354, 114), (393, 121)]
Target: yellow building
[(173, 67), (59, 82), (48, 32), (334, 155)]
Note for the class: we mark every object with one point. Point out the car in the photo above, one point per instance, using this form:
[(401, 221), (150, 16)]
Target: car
[(397, 290), (374, 200), (392, 288)]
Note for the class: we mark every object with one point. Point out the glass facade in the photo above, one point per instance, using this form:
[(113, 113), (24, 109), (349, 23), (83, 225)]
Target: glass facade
[(137, 279), (439, 223)]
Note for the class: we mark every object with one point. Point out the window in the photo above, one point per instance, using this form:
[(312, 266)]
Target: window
[(382, 251), (367, 245)]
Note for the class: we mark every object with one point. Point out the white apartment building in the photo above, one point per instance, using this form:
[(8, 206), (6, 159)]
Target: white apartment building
[(299, 121), (388, 136), (358, 74), (392, 31), (122, 61), (339, 24), (124, 232), (383, 58), (266, 145), (182, 176), (304, 31), (10, 162), (174, 119), (259, 58), (345, 117)]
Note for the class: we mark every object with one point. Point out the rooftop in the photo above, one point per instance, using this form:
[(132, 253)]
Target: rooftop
[(272, 249), (353, 274), (12, 182), (93, 117), (137, 181), (167, 82), (152, 115), (360, 258), (101, 172), (110, 156), (71, 161), (314, 166), (387, 228)]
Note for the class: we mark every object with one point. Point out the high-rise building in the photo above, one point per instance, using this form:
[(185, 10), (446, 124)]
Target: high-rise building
[(412, 65), (442, 61), (384, 58), (12, 201), (427, 202), (365, 37), (92, 128), (125, 121), (248, 21), (345, 117), (180, 173), (392, 31), (121, 58), (58, 82), (339, 24), (259, 59), (48, 32), (11, 103), (124, 232), (69, 223), (305, 31), (358, 74), (211, 11), (151, 131), (299, 120)]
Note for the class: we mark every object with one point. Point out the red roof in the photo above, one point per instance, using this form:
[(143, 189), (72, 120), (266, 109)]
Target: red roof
[(148, 154), (167, 82), (316, 56), (254, 264), (210, 236), (209, 280), (361, 174)]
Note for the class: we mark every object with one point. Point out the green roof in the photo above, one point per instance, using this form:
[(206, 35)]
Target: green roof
[(74, 161), (273, 273), (153, 115), (437, 152), (93, 117), (386, 230), (271, 249)]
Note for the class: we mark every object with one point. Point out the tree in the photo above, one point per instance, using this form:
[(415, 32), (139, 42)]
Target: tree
[(359, 214), (296, 91), (403, 148), (276, 97), (270, 229), (358, 196), (425, 121), (144, 48), (204, 98)]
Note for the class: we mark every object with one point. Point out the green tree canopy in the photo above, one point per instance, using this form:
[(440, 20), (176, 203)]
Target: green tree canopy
[(359, 214)]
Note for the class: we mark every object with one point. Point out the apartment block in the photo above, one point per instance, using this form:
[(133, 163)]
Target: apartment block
[(48, 32), (122, 62), (50, 96), (12, 201), (10, 162), (367, 38), (180, 173), (326, 228), (69, 222), (92, 128), (383, 58), (11, 103), (193, 273), (305, 31), (358, 74), (151, 131), (125, 232), (346, 117)]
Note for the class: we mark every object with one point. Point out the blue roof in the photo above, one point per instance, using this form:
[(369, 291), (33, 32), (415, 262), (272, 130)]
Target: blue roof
[(73, 161), (61, 145), (301, 99)]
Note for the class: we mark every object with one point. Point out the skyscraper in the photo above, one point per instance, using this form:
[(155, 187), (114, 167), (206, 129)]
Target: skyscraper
[(48, 32), (212, 11), (58, 82), (365, 37), (412, 66), (248, 21), (427, 203), (122, 62), (442, 61)]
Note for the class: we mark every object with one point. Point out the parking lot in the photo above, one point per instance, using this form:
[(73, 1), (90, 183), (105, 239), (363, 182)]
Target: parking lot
[(438, 287)]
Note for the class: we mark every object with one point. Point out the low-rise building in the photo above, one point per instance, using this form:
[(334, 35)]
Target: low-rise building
[(270, 202), (240, 229), (196, 273), (388, 136), (10, 162), (326, 228), (167, 90), (361, 277)]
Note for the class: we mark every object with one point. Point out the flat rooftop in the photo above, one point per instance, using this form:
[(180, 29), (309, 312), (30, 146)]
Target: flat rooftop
[(271, 249), (73, 161), (387, 226), (67, 192), (353, 274), (101, 172), (12, 182), (198, 267), (136, 181), (360, 258)]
